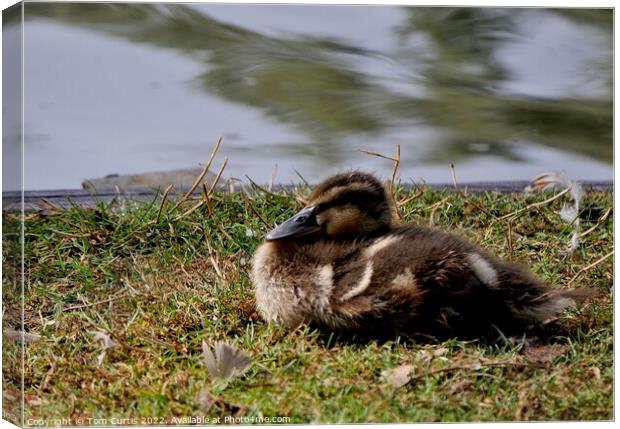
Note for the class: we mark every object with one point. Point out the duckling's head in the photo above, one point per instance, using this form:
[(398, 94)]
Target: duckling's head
[(346, 206)]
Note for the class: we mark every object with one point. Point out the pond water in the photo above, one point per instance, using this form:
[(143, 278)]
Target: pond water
[(502, 93)]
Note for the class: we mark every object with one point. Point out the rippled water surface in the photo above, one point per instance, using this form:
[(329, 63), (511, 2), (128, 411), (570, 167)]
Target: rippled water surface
[(129, 88)]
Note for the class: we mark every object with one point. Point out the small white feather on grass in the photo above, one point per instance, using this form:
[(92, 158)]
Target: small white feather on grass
[(107, 343), (569, 213), (224, 362)]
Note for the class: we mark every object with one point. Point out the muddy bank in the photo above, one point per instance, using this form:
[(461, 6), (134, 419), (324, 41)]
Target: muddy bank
[(180, 179)]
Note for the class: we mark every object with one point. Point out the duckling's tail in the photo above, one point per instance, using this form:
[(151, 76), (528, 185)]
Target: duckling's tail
[(547, 306)]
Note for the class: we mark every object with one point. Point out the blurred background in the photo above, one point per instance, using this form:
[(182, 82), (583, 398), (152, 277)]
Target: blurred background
[(503, 93)]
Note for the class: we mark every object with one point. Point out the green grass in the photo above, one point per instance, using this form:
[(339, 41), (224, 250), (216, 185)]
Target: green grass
[(161, 288)]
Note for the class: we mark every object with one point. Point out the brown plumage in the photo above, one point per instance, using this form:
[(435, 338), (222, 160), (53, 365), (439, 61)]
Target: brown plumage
[(340, 264)]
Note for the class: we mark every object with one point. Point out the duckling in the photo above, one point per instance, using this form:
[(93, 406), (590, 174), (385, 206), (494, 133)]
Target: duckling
[(342, 264)]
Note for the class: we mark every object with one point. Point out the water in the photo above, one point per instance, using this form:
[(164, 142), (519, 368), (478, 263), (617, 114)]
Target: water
[(130, 88)]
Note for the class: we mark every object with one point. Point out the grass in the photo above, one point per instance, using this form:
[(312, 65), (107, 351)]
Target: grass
[(161, 288)]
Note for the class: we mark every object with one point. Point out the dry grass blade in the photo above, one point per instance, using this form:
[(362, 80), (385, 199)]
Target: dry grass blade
[(299, 196), (213, 260), (509, 240), (464, 193), (396, 165), (412, 198), (301, 177), (592, 265), (394, 171), (368, 152), (598, 223), (433, 208), (217, 177), (533, 205), (164, 198), (208, 400), (53, 207), (474, 367), (201, 175), (69, 234), (207, 199), (393, 181), (224, 361), (163, 344), (453, 174), (260, 188), (191, 210), (118, 295), (249, 203), (18, 335), (273, 177)]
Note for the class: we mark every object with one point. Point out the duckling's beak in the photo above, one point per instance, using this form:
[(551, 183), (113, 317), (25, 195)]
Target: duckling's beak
[(303, 223)]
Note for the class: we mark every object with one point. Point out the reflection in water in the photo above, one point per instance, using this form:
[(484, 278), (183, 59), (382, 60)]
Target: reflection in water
[(449, 84)]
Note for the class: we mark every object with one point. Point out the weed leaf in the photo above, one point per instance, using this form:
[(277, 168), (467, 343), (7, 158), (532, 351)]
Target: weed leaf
[(399, 376)]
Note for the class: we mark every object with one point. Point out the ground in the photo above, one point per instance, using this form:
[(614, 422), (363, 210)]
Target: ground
[(119, 298)]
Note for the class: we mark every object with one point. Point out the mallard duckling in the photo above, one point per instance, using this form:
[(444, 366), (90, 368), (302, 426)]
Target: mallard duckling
[(341, 264)]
